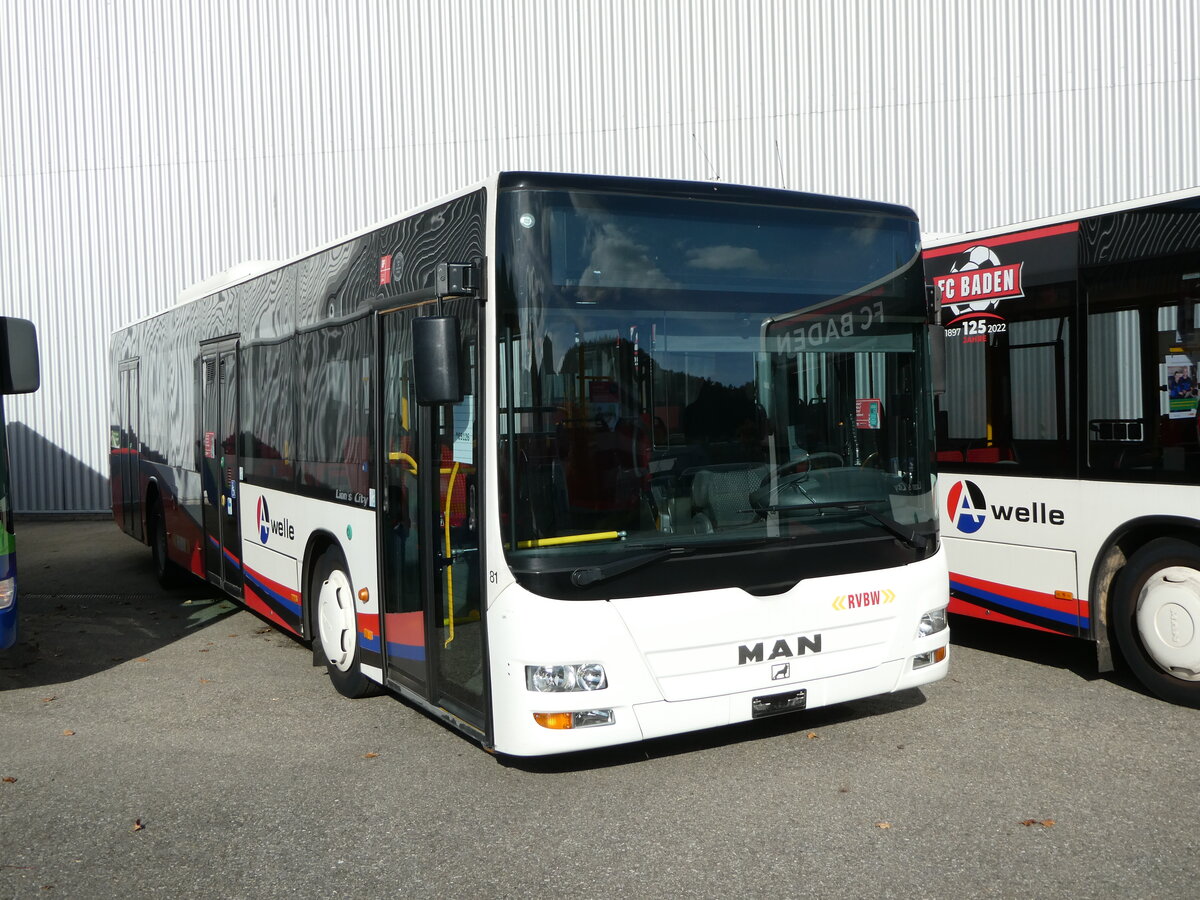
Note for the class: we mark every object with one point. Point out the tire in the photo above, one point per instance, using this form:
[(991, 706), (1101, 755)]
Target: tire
[(1156, 618), (335, 626), (168, 574)]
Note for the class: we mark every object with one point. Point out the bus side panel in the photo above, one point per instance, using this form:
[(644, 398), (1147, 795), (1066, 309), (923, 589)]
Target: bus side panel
[(178, 491), (278, 529), (1003, 538), (1016, 585)]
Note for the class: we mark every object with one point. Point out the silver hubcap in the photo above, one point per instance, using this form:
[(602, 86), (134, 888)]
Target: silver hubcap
[(1168, 620), (335, 619)]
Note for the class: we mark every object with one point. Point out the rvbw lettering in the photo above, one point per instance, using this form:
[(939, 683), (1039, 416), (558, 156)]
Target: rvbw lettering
[(781, 649)]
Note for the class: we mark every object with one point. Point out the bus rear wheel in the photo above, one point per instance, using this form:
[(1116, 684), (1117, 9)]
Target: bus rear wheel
[(1156, 618), (167, 573), (335, 626)]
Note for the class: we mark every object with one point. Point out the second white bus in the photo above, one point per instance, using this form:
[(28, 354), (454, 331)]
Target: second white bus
[(1067, 436)]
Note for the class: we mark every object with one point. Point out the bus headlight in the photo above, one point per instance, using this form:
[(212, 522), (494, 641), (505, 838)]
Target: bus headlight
[(8, 592), (932, 622), (557, 679)]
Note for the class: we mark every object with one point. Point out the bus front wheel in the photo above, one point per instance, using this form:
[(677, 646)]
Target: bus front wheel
[(1156, 618), (335, 626)]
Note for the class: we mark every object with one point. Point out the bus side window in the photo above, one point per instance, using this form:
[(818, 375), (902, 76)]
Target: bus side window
[(333, 450)]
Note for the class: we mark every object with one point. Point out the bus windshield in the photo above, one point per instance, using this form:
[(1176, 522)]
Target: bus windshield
[(680, 375)]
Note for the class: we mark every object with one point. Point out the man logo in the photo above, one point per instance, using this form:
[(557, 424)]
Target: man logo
[(781, 672), (966, 507), (264, 520)]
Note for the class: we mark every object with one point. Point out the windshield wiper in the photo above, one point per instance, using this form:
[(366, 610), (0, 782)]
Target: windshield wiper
[(588, 575), (912, 537)]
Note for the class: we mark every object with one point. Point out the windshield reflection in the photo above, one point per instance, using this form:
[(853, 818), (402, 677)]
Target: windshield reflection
[(645, 404)]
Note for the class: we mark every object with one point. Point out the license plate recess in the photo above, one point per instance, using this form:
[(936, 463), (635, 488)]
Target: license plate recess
[(774, 704)]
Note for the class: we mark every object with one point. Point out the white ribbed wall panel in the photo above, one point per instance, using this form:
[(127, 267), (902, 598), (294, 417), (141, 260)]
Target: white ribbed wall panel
[(148, 144)]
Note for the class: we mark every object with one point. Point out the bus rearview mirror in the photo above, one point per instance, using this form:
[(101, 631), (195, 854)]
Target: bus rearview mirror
[(19, 370), (435, 361)]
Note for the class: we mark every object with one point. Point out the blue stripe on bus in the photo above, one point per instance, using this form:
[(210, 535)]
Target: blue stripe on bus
[(405, 651), (229, 556), (374, 644), (261, 587), (1009, 603)]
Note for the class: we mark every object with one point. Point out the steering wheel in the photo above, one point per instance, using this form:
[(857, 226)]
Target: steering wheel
[(807, 463)]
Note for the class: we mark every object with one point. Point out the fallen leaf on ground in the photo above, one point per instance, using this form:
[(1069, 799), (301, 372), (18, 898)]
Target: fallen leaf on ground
[(67, 732), (883, 824), (138, 826), (370, 755), (8, 779)]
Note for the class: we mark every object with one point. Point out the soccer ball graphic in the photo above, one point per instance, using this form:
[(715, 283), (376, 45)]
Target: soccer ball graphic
[(972, 258)]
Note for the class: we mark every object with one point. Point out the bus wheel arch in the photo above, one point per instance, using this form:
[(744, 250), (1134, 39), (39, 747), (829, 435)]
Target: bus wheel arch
[(1154, 612), (332, 620)]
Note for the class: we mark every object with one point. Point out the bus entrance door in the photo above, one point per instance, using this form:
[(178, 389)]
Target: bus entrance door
[(433, 618), (219, 464)]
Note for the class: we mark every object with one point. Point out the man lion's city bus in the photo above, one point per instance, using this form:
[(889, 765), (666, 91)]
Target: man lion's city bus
[(19, 374), (1067, 436), (568, 461)]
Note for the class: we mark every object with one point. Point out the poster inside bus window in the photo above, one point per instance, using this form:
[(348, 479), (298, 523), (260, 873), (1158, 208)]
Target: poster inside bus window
[(867, 414), (1181, 393)]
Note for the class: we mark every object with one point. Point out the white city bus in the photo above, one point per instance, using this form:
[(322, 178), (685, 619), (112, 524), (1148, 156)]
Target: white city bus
[(569, 461), (1067, 436)]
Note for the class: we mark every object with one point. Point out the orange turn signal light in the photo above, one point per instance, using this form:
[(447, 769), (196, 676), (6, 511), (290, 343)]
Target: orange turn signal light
[(554, 720), (363, 595)]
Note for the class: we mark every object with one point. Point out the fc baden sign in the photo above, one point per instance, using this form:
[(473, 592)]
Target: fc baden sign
[(979, 281)]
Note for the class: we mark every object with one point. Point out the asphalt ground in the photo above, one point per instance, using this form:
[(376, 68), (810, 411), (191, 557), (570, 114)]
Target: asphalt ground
[(157, 744)]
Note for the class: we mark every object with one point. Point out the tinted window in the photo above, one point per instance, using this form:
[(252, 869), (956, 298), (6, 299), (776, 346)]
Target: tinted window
[(269, 413), (334, 414), (1143, 354)]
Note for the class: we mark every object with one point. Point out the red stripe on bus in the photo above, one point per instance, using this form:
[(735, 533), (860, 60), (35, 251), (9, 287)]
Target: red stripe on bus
[(406, 628), (264, 609), (1000, 240)]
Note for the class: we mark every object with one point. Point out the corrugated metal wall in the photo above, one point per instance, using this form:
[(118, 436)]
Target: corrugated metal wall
[(150, 143)]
